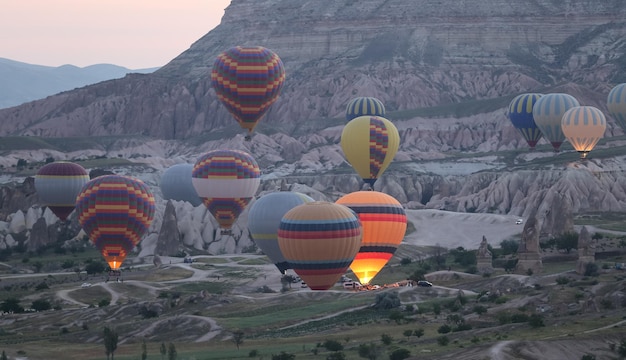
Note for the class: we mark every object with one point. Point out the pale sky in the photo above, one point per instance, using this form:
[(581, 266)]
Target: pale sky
[(132, 33)]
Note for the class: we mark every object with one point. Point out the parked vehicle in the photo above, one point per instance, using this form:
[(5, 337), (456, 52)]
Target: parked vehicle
[(352, 285), (424, 283)]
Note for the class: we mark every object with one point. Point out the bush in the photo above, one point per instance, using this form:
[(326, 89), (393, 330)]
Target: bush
[(536, 320), (386, 339), (332, 345), (443, 340), (399, 354), (562, 280), (41, 305), (336, 356), (444, 329), (479, 309), (386, 301), (104, 302), (283, 356)]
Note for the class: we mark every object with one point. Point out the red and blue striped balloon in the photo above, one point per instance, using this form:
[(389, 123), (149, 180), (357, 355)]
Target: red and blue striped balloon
[(319, 241), (116, 212), (248, 80)]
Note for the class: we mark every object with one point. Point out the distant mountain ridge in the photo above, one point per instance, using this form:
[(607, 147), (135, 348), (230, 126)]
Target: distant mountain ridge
[(23, 82)]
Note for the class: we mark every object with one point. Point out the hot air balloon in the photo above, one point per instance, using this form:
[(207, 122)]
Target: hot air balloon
[(583, 126), (364, 106), (548, 112), (264, 219), (521, 115), (319, 241), (369, 144), (616, 102), (248, 81), (384, 224), (226, 180), (176, 184), (115, 211), (58, 184)]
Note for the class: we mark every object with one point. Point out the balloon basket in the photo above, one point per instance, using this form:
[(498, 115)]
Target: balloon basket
[(114, 274), (248, 137)]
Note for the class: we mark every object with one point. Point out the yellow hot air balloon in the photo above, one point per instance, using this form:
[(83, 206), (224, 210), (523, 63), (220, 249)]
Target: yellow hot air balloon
[(583, 126), (370, 143), (384, 224)]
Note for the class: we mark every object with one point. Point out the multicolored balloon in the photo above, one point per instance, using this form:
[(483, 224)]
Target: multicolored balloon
[(226, 180), (616, 102), (369, 144), (264, 219), (384, 224), (583, 127), (548, 112), (176, 184), (116, 212), (319, 241), (364, 106), (58, 184), (248, 80), (521, 115)]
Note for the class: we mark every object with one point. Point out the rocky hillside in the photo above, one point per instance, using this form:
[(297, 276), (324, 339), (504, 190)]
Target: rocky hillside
[(445, 70)]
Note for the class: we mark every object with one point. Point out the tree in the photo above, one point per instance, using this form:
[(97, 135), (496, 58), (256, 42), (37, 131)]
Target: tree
[(419, 333), (386, 339), (399, 354), (94, 267), (171, 352), (386, 301), (283, 356), (21, 163), (163, 350), (622, 349), (509, 247), (144, 350), (369, 351), (407, 333), (110, 342), (338, 355), (41, 305), (238, 338), (11, 305), (333, 345), (567, 241), (3, 356), (535, 321)]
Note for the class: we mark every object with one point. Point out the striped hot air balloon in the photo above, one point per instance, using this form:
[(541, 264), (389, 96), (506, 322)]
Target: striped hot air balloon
[(176, 184), (521, 115), (116, 212), (319, 241), (58, 184), (583, 127), (364, 106), (548, 112), (369, 144), (226, 180), (248, 80), (616, 102), (384, 224), (264, 219)]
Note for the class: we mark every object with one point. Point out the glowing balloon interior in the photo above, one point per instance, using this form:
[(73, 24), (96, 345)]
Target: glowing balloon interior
[(384, 225), (584, 126)]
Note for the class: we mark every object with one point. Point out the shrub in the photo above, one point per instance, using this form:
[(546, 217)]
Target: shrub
[(333, 345), (443, 340), (536, 320), (444, 329), (562, 280), (386, 339), (399, 354)]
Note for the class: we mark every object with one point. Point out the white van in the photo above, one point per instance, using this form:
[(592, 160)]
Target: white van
[(351, 285)]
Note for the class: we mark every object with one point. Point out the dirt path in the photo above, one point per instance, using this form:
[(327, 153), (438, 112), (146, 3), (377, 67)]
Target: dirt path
[(496, 350)]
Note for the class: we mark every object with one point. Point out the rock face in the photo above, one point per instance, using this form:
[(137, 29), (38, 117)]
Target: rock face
[(586, 251), (528, 253), (169, 240), (484, 258), (448, 53), (38, 235), (14, 197)]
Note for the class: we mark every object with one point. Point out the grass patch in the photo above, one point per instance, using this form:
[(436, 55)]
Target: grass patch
[(167, 274)]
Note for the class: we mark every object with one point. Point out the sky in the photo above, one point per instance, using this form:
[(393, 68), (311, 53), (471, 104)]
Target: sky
[(135, 34)]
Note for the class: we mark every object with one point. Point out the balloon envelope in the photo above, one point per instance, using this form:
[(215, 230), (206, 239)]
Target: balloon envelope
[(264, 219), (548, 112), (248, 80), (584, 126), (369, 144), (176, 184), (319, 241), (384, 224), (58, 184), (363, 106), (115, 211), (521, 116), (226, 180), (616, 102)]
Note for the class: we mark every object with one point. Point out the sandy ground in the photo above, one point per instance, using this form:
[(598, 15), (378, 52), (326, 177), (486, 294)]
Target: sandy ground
[(452, 229)]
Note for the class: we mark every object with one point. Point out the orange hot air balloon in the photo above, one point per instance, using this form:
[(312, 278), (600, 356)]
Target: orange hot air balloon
[(115, 211), (319, 241), (384, 224)]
